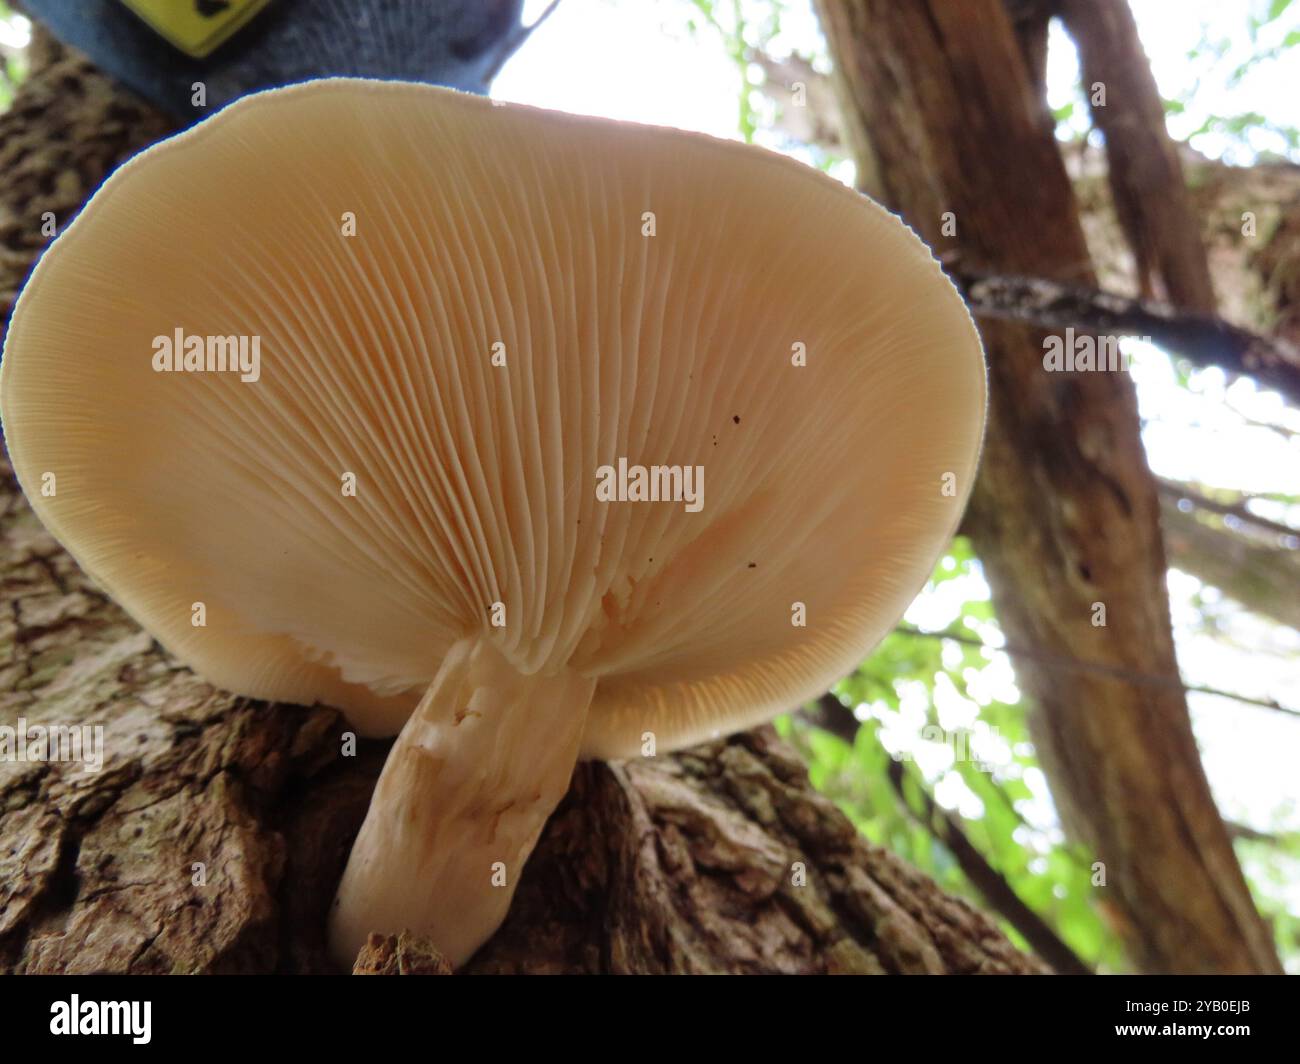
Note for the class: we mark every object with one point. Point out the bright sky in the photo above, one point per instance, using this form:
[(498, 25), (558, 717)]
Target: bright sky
[(636, 61)]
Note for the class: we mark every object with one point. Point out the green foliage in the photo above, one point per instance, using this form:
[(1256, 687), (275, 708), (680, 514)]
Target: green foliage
[(1220, 64), (748, 29), (734, 29), (1272, 868), (904, 696), (13, 61), (1240, 126)]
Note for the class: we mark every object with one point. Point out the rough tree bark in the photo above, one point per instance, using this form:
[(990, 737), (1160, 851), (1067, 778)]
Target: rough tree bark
[(1065, 514), (721, 859)]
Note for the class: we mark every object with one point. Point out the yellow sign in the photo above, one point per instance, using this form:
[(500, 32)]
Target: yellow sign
[(196, 27)]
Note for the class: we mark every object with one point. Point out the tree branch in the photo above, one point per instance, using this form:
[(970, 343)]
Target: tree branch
[(516, 40), (1146, 179), (1203, 339), (1261, 576), (1176, 490), (1068, 664)]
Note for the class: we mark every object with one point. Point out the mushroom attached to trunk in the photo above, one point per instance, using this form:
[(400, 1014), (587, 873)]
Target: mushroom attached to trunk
[(394, 399)]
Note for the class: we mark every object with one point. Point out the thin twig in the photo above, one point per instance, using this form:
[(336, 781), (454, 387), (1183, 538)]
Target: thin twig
[(1068, 664), (516, 41), (1176, 490)]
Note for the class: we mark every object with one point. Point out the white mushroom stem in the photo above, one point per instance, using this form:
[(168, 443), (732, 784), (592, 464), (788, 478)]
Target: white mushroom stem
[(466, 790)]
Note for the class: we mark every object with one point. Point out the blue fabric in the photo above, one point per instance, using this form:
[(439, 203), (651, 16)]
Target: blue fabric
[(458, 43)]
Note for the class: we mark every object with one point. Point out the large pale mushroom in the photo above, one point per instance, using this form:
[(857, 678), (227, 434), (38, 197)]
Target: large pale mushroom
[(475, 322)]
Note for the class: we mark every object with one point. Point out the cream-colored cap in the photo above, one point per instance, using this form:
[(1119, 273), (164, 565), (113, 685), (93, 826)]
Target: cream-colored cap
[(463, 313)]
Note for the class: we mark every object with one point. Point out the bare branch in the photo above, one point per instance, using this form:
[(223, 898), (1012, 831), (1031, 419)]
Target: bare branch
[(1200, 338), (1068, 664), (516, 41), (1173, 489)]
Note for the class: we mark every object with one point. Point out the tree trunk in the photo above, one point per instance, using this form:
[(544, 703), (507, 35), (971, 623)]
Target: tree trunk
[(215, 834), (1064, 516)]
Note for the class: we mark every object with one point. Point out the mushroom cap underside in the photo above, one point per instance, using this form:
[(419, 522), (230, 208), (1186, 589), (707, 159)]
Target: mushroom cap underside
[(476, 311)]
